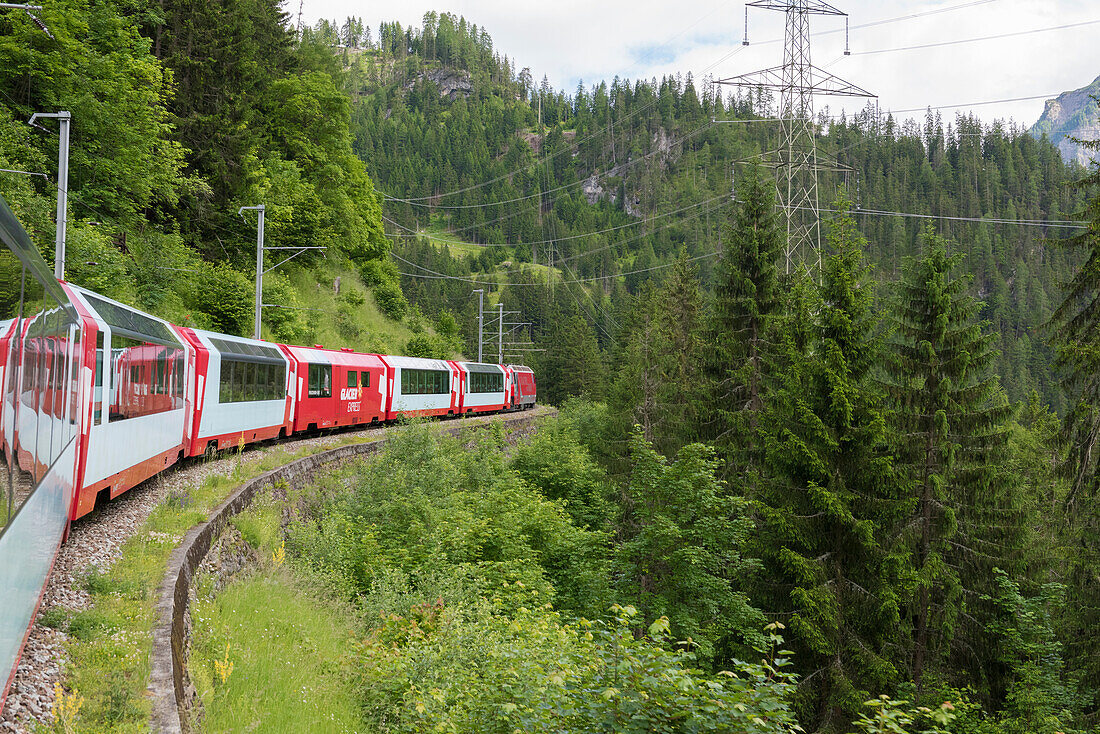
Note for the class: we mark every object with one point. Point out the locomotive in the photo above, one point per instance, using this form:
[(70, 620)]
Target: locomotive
[(97, 397)]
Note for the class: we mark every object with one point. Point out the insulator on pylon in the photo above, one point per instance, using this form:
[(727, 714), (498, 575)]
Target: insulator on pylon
[(746, 41), (847, 50)]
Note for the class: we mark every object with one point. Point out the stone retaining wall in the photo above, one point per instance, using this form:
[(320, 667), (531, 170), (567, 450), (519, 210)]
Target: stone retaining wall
[(167, 679)]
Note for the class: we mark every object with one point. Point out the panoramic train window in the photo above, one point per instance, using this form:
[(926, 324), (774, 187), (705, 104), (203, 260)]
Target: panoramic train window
[(486, 382), (97, 398), (320, 381), (145, 359), (425, 382), (41, 330), (250, 381), (141, 374)]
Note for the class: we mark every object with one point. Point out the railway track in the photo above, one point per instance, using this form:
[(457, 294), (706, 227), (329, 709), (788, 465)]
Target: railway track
[(94, 544)]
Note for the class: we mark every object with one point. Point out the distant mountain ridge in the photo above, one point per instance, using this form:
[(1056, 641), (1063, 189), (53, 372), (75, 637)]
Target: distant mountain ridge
[(1071, 115)]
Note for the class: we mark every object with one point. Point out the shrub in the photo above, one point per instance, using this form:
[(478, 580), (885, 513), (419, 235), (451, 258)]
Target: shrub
[(391, 301)]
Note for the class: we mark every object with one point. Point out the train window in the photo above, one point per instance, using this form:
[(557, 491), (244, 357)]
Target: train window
[(351, 378), (250, 381), (364, 379), (178, 378), (97, 398), (425, 382), (225, 385), (481, 382), (320, 381)]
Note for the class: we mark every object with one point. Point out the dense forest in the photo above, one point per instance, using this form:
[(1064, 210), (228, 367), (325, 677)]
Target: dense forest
[(619, 176), (875, 479), (890, 423)]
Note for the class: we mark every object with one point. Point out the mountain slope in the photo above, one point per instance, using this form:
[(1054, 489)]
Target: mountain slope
[(1072, 114)]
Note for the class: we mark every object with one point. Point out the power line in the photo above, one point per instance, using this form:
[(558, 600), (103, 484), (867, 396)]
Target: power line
[(870, 212), (565, 282), (1012, 34), (412, 233)]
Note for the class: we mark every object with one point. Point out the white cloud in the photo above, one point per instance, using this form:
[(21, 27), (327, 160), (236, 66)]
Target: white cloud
[(570, 40)]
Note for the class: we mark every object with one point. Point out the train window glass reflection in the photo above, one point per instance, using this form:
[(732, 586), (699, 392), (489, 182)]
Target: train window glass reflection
[(140, 372), (97, 405), (250, 381), (320, 381)]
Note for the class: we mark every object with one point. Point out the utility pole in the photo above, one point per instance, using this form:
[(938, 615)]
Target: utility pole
[(480, 318), (259, 266), (797, 161), (500, 334), (63, 118)]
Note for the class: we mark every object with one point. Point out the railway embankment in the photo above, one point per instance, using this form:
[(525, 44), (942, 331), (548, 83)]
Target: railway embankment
[(172, 694), (91, 643)]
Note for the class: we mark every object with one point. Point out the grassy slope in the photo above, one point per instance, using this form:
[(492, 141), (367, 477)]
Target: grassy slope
[(285, 645), (111, 640)]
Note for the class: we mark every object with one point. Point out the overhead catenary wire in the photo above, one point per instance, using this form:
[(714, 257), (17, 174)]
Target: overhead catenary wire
[(870, 212), (1010, 34), (652, 103)]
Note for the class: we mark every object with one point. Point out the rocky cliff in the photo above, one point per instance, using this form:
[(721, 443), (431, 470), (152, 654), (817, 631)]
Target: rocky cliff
[(1072, 115)]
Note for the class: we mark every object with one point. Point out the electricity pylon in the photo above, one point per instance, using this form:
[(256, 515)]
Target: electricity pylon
[(796, 160)]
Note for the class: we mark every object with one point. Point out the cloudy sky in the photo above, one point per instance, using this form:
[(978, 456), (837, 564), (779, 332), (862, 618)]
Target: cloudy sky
[(591, 40)]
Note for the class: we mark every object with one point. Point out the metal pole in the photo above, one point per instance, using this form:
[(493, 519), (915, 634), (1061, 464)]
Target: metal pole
[(500, 334), (259, 267), (62, 196), (64, 118), (259, 272), (480, 318)]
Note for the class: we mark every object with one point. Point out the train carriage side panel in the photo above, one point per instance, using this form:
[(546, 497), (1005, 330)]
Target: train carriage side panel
[(337, 388), (142, 365), (483, 387), (242, 390), (34, 501), (423, 387)]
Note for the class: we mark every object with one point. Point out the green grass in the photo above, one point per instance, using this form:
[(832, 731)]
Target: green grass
[(287, 646), (111, 641)]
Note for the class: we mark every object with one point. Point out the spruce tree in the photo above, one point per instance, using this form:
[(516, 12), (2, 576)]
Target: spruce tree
[(830, 497), (747, 297), (951, 433), (1076, 324)]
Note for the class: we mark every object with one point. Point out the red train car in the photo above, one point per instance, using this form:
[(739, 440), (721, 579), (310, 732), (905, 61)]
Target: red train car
[(242, 391), (337, 388), (523, 392), (422, 387)]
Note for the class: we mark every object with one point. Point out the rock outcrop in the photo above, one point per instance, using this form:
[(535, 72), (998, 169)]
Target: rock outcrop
[(1071, 115)]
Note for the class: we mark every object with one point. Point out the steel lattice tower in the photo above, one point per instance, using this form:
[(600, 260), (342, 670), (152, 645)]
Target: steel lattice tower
[(796, 161)]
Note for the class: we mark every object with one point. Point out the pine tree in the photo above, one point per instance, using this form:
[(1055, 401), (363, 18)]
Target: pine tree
[(830, 497), (1077, 341), (747, 296), (951, 432)]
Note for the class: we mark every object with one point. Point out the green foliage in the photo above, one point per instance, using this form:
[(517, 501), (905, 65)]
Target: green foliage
[(747, 297), (1038, 699), (555, 462), (427, 508), (227, 296), (886, 716), (479, 670), (390, 300), (952, 434), (681, 554), (831, 497), (429, 346)]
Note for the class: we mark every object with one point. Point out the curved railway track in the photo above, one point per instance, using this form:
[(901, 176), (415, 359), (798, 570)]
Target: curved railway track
[(94, 544)]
